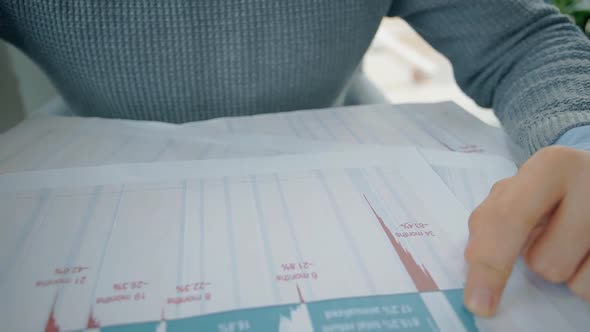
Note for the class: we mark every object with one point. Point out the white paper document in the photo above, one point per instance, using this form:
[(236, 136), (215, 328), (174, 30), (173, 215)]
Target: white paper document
[(53, 142), (366, 240)]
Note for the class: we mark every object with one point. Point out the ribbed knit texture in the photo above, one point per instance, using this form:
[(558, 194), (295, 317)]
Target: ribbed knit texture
[(185, 60), (520, 57)]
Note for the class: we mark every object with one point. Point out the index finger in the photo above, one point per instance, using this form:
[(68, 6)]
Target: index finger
[(499, 228)]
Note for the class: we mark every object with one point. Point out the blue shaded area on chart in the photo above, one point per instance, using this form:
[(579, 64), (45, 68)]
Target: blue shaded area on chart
[(455, 298), (140, 327), (401, 312), (397, 312), (257, 319)]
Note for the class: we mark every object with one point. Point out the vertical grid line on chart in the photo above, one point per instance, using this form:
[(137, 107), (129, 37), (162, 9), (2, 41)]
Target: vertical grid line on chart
[(290, 225), (337, 115), (58, 151), (80, 236), (373, 138), (42, 203), (225, 152), (526, 274), (417, 119), (229, 125), (289, 119), (232, 243), (303, 125), (349, 238), (364, 188), (431, 248), (204, 151), (418, 272), (105, 248), (410, 192), (108, 157), (26, 145), (402, 130), (169, 143), (468, 189), (451, 179), (265, 239), (406, 211), (442, 129), (181, 237), (324, 126), (201, 220)]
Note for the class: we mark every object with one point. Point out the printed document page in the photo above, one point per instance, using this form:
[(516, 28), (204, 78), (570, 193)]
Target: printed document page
[(338, 241)]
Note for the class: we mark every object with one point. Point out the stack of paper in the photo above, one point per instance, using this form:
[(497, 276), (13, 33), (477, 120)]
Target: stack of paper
[(115, 225), (46, 142)]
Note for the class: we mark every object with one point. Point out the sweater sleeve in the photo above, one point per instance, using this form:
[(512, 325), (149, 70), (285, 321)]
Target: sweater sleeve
[(577, 138), (521, 57), (2, 21)]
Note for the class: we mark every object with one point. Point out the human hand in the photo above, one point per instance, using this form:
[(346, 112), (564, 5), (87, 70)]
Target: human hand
[(543, 213)]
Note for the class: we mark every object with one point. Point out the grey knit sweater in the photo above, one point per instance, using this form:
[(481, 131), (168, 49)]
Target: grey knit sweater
[(186, 60)]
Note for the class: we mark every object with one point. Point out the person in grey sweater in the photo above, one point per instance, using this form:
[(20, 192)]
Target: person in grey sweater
[(184, 60)]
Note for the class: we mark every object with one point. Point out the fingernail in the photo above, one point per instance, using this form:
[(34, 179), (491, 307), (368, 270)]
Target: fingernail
[(480, 301)]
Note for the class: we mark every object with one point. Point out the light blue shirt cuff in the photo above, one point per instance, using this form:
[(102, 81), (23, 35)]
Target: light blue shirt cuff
[(577, 138)]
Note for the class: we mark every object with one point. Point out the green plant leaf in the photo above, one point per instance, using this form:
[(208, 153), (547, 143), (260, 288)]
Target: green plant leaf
[(578, 10), (581, 6)]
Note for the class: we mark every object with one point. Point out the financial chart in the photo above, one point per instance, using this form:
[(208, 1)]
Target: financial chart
[(313, 248)]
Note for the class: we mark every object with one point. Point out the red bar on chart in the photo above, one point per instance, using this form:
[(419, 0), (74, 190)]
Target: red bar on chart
[(419, 274)]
